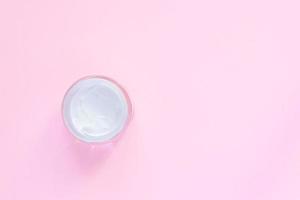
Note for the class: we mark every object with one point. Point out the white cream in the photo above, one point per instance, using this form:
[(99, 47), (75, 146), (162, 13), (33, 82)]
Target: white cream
[(95, 109)]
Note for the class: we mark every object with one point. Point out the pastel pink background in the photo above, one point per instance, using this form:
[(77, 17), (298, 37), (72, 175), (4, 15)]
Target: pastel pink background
[(215, 86)]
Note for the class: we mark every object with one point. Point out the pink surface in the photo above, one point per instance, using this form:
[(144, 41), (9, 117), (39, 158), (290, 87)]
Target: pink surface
[(216, 93)]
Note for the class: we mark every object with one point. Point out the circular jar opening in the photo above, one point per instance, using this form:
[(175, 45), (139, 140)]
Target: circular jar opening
[(96, 109)]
